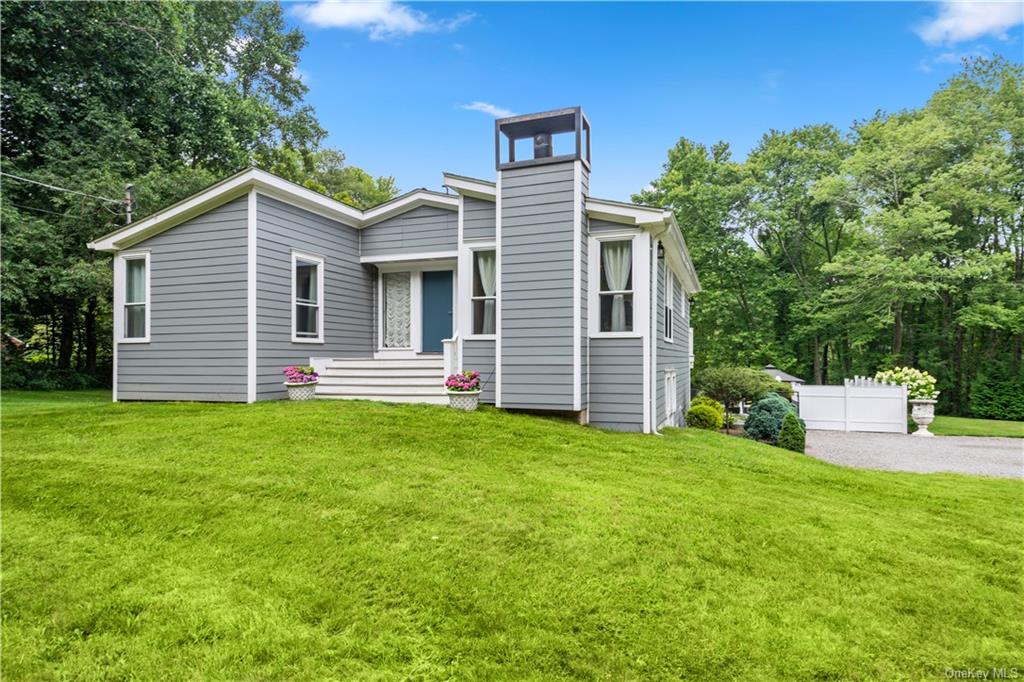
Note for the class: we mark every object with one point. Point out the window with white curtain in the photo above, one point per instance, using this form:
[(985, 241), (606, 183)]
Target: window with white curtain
[(616, 291), (484, 287), (670, 299), (136, 289), (307, 289)]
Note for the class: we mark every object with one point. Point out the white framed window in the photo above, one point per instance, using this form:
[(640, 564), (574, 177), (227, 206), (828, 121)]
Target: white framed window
[(670, 307), (133, 308), (484, 293), (307, 298), (615, 288)]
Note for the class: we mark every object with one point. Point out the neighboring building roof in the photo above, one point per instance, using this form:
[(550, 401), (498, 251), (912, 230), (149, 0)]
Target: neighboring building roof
[(777, 374), (273, 186)]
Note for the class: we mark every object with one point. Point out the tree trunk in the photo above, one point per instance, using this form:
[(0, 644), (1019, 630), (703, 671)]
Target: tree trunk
[(959, 406), (897, 334), (817, 361), (69, 316), (90, 337)]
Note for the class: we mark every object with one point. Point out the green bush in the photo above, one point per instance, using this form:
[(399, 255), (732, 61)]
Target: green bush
[(710, 402), (998, 397), (704, 417), (792, 435), (24, 373), (733, 385), (765, 418), (781, 388), (920, 384)]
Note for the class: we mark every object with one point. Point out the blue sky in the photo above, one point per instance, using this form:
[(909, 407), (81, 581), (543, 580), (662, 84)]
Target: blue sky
[(410, 89)]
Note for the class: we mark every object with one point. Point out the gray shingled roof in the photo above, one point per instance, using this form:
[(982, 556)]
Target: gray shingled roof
[(776, 373)]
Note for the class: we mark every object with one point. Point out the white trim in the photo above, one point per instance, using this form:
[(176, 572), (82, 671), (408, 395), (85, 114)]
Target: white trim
[(577, 285), (650, 345), (415, 271), (470, 187), (251, 298), (459, 323), (498, 287), (119, 302), (271, 185), (594, 283), (320, 303), (403, 257), (471, 250)]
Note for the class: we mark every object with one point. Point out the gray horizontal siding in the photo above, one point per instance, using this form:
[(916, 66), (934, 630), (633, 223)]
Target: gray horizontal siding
[(671, 355), (423, 229), (598, 226), (478, 354), (537, 250), (616, 384), (347, 297), (478, 218), (197, 348)]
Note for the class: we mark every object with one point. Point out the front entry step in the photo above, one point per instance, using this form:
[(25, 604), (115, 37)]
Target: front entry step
[(405, 380)]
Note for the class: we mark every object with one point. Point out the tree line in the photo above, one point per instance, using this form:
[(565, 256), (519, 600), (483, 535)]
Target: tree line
[(900, 241), (167, 96)]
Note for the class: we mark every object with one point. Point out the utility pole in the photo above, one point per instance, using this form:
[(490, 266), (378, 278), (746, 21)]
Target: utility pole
[(129, 200)]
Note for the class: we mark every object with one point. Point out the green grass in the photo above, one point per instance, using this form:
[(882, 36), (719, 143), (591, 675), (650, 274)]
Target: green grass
[(964, 426), (339, 540)]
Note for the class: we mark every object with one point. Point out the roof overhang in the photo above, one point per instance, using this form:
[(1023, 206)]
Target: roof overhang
[(661, 223), (471, 187), (270, 185)]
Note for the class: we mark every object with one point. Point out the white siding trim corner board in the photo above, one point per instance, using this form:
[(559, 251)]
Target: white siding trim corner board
[(462, 283), (498, 291), (251, 338), (577, 283), (651, 340)]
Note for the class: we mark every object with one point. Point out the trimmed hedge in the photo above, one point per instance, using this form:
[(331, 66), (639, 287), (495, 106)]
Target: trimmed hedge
[(704, 417)]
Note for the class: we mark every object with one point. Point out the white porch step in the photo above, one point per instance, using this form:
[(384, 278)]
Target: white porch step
[(404, 380)]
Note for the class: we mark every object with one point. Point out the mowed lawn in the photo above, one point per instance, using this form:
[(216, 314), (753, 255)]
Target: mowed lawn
[(965, 426), (343, 540)]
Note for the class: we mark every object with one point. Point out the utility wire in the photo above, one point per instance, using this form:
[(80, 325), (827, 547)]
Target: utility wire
[(62, 189)]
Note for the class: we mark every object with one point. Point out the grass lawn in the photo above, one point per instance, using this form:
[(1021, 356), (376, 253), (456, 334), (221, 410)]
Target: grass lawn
[(964, 426), (340, 540)]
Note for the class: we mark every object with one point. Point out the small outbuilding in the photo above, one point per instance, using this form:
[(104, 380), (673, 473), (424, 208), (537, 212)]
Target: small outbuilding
[(777, 374)]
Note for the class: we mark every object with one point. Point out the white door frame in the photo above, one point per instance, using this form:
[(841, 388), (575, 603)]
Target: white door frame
[(415, 270)]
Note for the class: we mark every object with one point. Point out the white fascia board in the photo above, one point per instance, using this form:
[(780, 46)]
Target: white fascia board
[(403, 257), (618, 212), (470, 187), (407, 202)]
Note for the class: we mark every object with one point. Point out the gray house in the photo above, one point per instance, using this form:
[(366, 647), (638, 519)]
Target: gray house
[(564, 302)]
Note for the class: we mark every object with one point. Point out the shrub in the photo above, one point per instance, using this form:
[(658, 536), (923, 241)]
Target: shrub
[(704, 417), (36, 374), (920, 385), (792, 435), (710, 402), (732, 385), (998, 397), (765, 418), (780, 387)]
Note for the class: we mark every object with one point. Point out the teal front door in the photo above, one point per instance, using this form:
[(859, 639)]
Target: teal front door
[(437, 309)]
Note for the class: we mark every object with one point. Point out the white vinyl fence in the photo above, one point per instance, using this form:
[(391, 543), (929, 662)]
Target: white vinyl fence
[(860, 404)]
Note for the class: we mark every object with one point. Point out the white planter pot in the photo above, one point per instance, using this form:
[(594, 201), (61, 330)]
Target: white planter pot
[(463, 400), (923, 413), (303, 391)]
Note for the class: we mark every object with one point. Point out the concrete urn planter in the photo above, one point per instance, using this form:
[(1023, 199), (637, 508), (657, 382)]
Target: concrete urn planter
[(923, 413), (301, 391), (463, 400)]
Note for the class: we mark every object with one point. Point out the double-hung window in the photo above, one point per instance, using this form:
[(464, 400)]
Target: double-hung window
[(616, 290), (484, 287), (307, 303), (670, 300), (135, 307)]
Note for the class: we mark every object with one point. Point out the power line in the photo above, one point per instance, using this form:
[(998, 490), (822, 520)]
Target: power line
[(62, 189)]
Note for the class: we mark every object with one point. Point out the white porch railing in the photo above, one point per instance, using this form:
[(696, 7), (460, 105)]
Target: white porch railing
[(452, 361)]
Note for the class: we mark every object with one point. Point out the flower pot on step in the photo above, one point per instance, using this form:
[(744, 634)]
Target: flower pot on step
[(301, 391), (923, 413), (463, 400)]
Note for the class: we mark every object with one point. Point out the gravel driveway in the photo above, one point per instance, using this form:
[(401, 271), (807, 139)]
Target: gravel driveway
[(1003, 457)]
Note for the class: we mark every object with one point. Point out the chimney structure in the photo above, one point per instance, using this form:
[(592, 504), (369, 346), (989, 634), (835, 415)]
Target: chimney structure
[(541, 231)]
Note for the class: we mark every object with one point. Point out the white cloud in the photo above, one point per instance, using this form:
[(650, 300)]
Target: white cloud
[(381, 19), (487, 108), (960, 21)]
